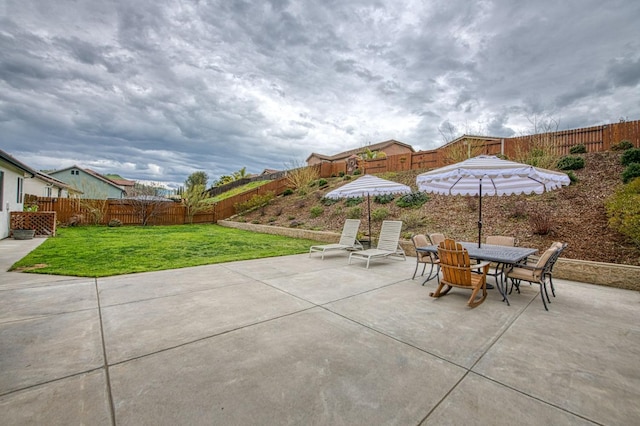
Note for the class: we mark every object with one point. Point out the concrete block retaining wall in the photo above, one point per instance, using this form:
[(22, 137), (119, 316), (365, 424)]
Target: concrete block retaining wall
[(607, 274)]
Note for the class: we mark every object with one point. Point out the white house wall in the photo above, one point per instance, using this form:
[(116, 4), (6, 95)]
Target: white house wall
[(40, 188), (9, 195)]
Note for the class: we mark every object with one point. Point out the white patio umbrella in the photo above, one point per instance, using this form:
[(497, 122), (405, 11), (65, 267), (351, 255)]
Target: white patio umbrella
[(500, 177), (368, 185)]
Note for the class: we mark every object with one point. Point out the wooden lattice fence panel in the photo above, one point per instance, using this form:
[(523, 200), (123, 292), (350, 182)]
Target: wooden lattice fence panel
[(44, 223)]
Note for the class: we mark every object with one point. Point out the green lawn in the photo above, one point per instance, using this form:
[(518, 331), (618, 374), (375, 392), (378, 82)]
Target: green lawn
[(103, 251), (236, 191)]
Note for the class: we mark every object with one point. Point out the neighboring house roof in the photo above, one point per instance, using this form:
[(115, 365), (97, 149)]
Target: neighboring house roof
[(123, 182), (16, 163), (380, 146), (269, 171), (92, 173), (56, 182)]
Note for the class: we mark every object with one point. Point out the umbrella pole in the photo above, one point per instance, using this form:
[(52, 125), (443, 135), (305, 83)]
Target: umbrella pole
[(480, 216), (369, 221)]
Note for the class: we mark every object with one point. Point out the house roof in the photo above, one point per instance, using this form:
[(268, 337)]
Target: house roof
[(92, 173), (373, 147), (16, 163), (56, 182)]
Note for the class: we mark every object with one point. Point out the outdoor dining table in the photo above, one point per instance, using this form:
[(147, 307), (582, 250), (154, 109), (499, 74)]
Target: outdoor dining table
[(502, 255)]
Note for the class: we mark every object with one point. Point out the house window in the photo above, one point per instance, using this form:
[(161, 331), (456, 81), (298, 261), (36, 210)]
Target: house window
[(1, 189), (19, 192), (47, 191)]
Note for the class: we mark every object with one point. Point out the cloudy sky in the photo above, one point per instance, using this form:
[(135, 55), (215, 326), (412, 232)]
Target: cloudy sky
[(158, 89)]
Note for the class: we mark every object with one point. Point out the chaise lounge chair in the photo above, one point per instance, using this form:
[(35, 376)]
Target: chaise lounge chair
[(388, 244), (348, 239)]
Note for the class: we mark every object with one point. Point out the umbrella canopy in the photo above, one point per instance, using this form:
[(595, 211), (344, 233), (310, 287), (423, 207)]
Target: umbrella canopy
[(490, 175), (368, 185)]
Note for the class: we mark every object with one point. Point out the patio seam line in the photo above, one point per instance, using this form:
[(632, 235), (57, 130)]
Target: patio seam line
[(211, 336), (112, 410), (169, 295), (535, 297), (44, 284), (537, 398), (41, 316), (470, 369), (57, 379)]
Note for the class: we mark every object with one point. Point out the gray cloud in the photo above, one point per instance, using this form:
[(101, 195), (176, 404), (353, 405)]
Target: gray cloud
[(158, 89)]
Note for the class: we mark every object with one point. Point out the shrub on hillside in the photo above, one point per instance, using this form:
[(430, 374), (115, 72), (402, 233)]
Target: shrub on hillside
[(622, 146), (350, 202), (354, 213), (631, 172), (302, 177), (254, 202), (379, 215), (541, 221), (623, 210), (316, 211), (357, 172), (630, 156), (570, 163), (412, 219), (414, 200), (578, 149), (572, 177), (384, 199), (287, 191), (329, 201)]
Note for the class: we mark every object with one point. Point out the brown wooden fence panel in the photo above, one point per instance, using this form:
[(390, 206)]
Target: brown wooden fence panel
[(424, 160), (617, 132)]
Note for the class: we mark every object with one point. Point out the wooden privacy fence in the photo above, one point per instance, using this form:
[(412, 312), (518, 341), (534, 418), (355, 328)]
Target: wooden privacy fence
[(74, 211), (596, 138)]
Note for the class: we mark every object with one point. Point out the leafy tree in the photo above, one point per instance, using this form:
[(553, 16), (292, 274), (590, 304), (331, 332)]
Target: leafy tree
[(224, 179), (196, 178), (240, 174), (193, 200)]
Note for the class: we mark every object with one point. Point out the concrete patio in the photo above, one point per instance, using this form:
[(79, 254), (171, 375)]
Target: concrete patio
[(299, 340)]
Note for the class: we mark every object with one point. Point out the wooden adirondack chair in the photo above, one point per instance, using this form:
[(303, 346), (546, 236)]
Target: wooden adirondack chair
[(457, 269)]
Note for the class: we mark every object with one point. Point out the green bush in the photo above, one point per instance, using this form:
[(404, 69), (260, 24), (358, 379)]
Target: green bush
[(380, 214), (354, 213), (357, 172), (622, 146), (287, 191), (413, 219), (322, 182), (414, 200), (329, 201), (350, 202), (254, 202), (570, 163), (316, 211), (578, 149), (572, 177), (341, 174), (630, 156), (631, 172), (623, 210), (346, 177), (384, 199)]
